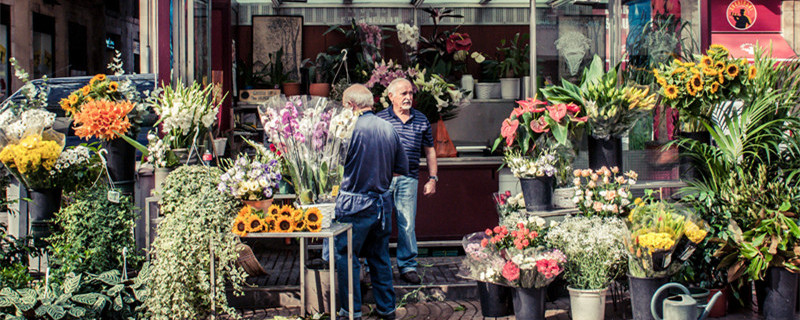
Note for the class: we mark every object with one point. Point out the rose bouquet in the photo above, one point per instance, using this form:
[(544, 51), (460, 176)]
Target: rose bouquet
[(277, 219), (696, 87), (529, 264), (656, 229), (313, 135), (594, 248), (481, 263), (604, 192)]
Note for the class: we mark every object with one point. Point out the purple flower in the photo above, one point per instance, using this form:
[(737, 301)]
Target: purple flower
[(320, 136)]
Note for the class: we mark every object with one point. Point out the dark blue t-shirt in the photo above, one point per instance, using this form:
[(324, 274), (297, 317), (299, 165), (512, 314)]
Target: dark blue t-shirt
[(414, 134), (375, 154)]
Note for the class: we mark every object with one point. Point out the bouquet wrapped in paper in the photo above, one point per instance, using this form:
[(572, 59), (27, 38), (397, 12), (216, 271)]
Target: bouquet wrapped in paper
[(481, 263), (656, 244), (313, 134)]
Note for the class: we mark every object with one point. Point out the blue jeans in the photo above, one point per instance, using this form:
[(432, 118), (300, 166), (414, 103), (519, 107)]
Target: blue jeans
[(404, 190), (370, 241)]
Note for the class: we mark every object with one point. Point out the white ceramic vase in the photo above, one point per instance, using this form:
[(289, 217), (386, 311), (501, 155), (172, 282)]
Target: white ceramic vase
[(587, 304), (509, 88), (468, 83)]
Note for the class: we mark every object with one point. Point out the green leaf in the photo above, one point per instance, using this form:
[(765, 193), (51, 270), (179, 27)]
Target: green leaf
[(86, 298), (115, 290), (42, 310), (5, 302), (134, 143), (110, 278), (77, 312), (56, 312), (71, 283), (118, 303)]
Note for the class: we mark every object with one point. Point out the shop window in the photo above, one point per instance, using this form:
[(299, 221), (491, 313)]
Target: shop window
[(43, 45), (5, 50), (77, 50)]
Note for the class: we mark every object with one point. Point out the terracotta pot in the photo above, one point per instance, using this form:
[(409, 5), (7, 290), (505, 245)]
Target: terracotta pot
[(262, 205), (291, 88), (720, 308), (319, 89)]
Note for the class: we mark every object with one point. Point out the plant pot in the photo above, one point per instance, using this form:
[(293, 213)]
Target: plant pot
[(325, 208), (562, 198), (319, 89), (41, 209), (689, 168), (719, 309), (160, 175), (262, 205), (779, 294), (468, 83), (529, 303), (284, 187), (642, 290), (496, 300), (605, 152), (291, 88), (538, 193), (219, 146), (509, 88), (587, 304), (183, 156), (483, 90), (121, 164)]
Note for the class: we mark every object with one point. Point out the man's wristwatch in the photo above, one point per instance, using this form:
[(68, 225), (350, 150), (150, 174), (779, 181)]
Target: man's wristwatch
[(434, 178)]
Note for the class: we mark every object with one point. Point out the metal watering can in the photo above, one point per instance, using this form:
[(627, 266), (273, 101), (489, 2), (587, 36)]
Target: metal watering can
[(680, 307)]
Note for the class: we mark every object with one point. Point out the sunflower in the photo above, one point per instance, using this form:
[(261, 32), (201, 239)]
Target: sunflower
[(751, 73), (300, 225), (113, 86), (697, 82), (678, 70), (239, 227), (254, 224), (73, 98), (96, 78), (671, 91), (85, 90), (286, 211), (245, 212), (269, 224), (718, 47), (721, 78), (297, 214), (706, 61), (714, 87), (273, 210), (710, 72), (688, 64), (719, 65), (314, 227), (313, 216), (732, 70), (690, 89), (284, 224)]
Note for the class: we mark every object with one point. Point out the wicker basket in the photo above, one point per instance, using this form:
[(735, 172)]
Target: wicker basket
[(247, 260)]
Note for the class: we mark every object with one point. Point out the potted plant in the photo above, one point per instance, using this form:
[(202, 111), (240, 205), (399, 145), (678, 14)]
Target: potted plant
[(489, 85), (513, 65), (595, 252), (322, 72), (612, 108)]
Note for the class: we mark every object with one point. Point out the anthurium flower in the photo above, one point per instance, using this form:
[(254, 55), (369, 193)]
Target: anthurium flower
[(557, 111), (458, 41), (530, 104), (509, 130), (539, 125)]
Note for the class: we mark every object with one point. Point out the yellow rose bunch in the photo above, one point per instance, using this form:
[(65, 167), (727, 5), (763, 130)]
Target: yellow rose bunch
[(656, 241), (31, 154)]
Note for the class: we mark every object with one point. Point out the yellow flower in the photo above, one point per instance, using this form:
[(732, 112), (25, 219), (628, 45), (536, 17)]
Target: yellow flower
[(671, 92), (85, 90), (694, 233), (751, 73), (31, 154), (269, 224), (656, 241), (690, 89), (96, 78), (245, 212), (638, 201), (678, 70), (239, 227), (706, 61), (710, 72), (697, 82), (113, 86), (300, 225), (718, 47), (284, 224), (314, 227), (732, 70), (286, 211), (719, 65), (714, 87), (313, 216), (254, 224), (661, 81), (273, 210), (721, 78), (688, 64), (297, 214)]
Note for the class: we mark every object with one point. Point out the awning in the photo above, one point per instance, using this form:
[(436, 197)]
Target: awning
[(742, 45)]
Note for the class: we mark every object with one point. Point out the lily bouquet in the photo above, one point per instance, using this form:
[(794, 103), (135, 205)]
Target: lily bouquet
[(313, 135)]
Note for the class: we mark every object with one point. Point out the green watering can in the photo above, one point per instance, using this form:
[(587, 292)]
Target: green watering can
[(679, 307)]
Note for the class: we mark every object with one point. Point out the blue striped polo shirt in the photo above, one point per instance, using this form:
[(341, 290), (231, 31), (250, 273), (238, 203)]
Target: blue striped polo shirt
[(414, 134)]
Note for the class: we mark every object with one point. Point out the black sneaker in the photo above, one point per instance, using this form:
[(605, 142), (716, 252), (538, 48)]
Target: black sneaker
[(390, 316), (411, 277)]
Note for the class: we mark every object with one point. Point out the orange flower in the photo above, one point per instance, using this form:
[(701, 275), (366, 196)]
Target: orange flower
[(85, 90), (113, 86), (101, 118), (96, 78)]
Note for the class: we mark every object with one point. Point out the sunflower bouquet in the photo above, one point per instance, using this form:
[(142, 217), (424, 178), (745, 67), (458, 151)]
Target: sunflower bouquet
[(696, 87), (661, 238), (277, 219)]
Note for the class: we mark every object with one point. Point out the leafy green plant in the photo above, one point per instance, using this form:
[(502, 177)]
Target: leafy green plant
[(89, 296), (323, 70), (197, 221), (14, 260), (515, 61), (93, 234)]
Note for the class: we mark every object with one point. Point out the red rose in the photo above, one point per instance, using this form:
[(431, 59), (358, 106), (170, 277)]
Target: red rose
[(510, 271), (458, 41)]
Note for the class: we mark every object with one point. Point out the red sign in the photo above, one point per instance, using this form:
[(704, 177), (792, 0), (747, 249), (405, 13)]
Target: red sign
[(745, 15)]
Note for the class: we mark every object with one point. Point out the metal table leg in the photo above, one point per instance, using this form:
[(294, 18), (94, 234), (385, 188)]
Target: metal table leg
[(302, 276), (350, 270), (332, 264)]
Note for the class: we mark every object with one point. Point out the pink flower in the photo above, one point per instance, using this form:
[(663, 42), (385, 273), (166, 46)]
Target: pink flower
[(539, 125), (548, 268), (510, 271), (573, 108), (509, 130), (488, 232), (558, 111), (530, 105), (458, 41), (484, 243), (597, 206)]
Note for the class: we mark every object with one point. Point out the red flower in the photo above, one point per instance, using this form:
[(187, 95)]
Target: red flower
[(508, 193), (484, 243), (488, 232), (558, 111), (272, 147), (510, 271), (539, 125), (509, 130), (530, 104), (517, 112), (458, 41), (573, 108), (580, 119)]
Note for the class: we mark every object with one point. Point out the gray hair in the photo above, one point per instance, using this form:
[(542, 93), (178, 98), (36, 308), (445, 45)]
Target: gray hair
[(359, 95), (392, 85)]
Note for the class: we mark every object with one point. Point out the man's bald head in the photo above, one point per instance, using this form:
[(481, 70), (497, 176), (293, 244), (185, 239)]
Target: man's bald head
[(357, 96)]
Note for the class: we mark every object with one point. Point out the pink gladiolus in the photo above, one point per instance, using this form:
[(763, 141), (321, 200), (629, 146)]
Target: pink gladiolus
[(511, 271)]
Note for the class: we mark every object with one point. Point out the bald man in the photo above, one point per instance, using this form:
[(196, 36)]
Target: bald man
[(365, 201)]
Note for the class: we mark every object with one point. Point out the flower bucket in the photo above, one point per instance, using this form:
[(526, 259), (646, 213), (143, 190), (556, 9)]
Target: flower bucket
[(562, 198), (483, 90), (720, 308), (121, 158), (262, 205), (538, 193), (183, 156), (642, 291), (509, 88), (587, 304), (495, 299), (605, 152), (41, 209), (529, 303), (326, 209), (689, 167), (160, 175), (780, 294)]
